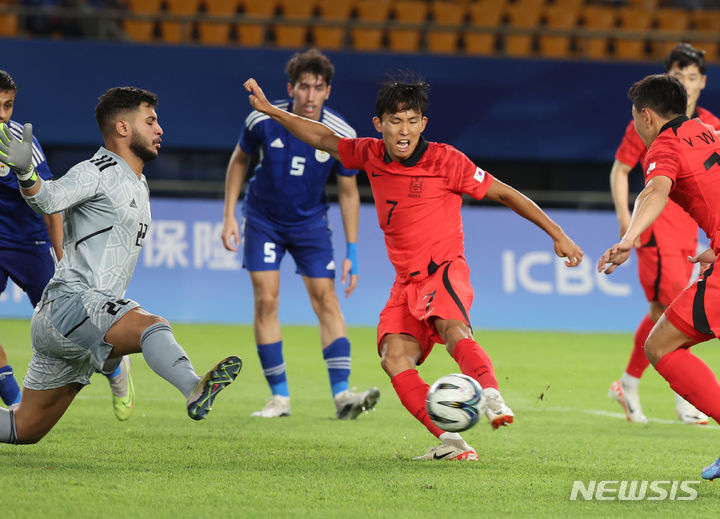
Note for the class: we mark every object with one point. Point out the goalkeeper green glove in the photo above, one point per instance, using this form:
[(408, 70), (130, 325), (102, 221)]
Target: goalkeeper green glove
[(18, 154)]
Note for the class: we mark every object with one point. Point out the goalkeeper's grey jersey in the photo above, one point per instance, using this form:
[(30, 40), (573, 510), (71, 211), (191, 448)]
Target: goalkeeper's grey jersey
[(107, 213)]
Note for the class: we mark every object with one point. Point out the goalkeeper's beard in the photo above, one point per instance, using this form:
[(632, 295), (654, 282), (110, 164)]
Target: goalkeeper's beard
[(143, 152)]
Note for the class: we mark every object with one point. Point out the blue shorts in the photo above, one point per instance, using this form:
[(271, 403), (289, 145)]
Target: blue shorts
[(264, 248), (29, 269)]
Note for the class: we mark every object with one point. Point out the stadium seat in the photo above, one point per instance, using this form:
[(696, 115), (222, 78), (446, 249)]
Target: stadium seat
[(558, 17), (523, 14), (486, 14), (707, 23), (252, 33), (373, 11), (445, 13), (291, 35), (633, 20), (410, 12), (8, 25), (597, 18), (176, 32), (140, 30), (331, 37), (215, 33), (673, 21)]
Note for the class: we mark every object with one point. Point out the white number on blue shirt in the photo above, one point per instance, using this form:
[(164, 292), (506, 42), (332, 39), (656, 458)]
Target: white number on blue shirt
[(297, 166), (269, 252)]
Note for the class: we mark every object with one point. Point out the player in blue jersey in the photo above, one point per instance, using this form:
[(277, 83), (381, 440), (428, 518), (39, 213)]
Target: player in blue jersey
[(27, 243), (285, 210)]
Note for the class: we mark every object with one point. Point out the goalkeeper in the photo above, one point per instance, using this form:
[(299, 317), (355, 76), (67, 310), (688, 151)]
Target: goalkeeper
[(83, 321)]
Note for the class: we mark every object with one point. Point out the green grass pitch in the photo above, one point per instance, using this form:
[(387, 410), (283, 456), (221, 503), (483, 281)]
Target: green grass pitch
[(162, 464)]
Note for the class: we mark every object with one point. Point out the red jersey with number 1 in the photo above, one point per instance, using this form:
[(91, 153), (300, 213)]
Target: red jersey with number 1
[(688, 152), (674, 227), (418, 200)]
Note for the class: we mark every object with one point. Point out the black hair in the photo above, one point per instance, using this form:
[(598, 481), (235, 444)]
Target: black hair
[(120, 99), (7, 83), (309, 62), (401, 92), (685, 55), (662, 93)]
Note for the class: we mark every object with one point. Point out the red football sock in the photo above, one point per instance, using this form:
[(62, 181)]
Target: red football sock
[(475, 362), (638, 360), (413, 391), (692, 379)]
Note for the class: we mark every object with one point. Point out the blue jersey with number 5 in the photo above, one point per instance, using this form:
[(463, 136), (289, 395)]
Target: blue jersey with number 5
[(288, 185)]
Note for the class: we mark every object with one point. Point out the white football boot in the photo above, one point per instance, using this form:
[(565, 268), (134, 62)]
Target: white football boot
[(688, 413), (493, 405), (349, 405), (629, 399), (277, 406), (453, 448)]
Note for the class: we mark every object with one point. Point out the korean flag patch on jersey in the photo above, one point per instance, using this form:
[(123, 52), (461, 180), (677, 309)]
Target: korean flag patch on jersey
[(650, 168), (479, 174)]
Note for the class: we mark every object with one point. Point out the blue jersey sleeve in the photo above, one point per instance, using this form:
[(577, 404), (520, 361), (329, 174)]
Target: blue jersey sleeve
[(40, 162), (251, 135)]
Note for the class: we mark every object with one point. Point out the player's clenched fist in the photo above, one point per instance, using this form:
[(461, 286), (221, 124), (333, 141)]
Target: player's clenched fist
[(257, 98)]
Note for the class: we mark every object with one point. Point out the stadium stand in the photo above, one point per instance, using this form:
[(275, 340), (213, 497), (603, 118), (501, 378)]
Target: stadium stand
[(589, 29), (486, 14), (523, 14), (142, 30), (176, 32), (409, 12), (331, 37), (636, 20), (217, 33), (675, 23), (449, 14), (372, 11), (558, 17), (289, 35), (253, 34), (597, 18)]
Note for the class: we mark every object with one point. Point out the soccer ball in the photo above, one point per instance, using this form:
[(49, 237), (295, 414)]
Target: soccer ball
[(452, 402)]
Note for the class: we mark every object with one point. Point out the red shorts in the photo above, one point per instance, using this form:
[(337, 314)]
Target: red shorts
[(446, 294), (696, 311), (664, 272)]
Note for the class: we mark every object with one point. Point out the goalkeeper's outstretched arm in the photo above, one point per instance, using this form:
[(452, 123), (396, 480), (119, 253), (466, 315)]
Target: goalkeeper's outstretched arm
[(311, 132)]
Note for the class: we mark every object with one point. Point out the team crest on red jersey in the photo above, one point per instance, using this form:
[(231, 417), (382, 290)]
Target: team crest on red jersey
[(416, 184)]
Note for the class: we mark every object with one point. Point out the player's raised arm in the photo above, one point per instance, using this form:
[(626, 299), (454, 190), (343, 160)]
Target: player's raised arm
[(312, 132), (522, 205)]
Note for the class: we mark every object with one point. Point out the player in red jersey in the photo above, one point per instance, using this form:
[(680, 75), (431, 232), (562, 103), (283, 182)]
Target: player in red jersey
[(417, 187), (663, 248), (682, 162)]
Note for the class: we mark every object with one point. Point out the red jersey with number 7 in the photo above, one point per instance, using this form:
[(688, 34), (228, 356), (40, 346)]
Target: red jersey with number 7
[(418, 200), (688, 152)]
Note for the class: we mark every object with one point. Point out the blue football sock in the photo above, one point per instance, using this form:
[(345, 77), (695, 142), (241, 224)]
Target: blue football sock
[(9, 389), (115, 373), (273, 365), (337, 359)]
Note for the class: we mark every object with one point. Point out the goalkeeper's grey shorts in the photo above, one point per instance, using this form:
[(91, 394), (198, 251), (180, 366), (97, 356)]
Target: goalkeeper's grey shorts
[(68, 338)]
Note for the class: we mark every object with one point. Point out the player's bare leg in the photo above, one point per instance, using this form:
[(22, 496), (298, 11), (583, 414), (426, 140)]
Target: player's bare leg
[(336, 350), (37, 414), (268, 338), (475, 362)]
